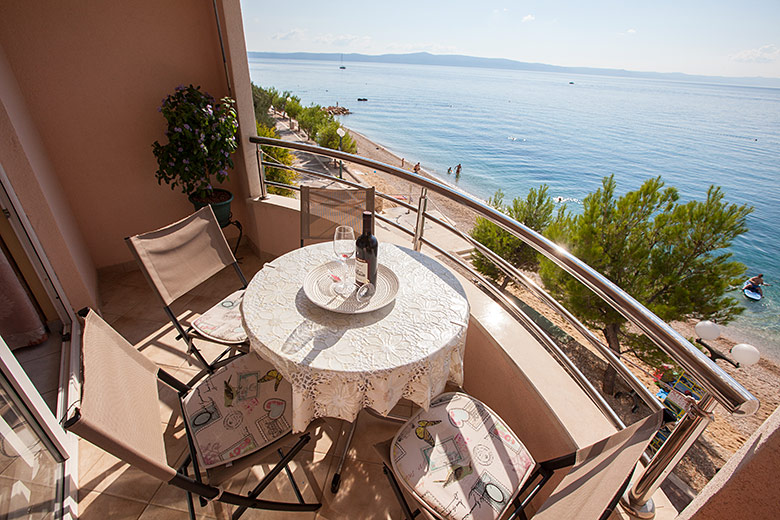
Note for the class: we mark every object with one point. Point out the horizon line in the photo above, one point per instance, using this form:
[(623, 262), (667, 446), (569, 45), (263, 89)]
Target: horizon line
[(519, 65)]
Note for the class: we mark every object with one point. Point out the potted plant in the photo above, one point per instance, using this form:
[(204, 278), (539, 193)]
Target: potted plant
[(201, 138)]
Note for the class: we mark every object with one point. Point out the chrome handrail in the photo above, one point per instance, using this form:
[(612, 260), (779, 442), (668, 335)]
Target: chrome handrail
[(727, 391), (720, 386)]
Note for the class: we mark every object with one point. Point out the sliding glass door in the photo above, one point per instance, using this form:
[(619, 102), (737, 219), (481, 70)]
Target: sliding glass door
[(32, 448)]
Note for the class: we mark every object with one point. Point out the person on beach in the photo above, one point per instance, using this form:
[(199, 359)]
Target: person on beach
[(402, 162), (417, 168), (754, 284), (449, 170), (457, 171)]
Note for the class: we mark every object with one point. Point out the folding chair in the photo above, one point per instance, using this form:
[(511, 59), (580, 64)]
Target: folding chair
[(179, 257), (324, 209), (243, 408), (459, 459)]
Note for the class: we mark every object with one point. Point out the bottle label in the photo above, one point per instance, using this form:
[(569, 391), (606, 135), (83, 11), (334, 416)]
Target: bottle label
[(361, 271)]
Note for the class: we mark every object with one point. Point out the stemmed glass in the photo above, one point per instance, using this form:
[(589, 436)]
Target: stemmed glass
[(344, 248)]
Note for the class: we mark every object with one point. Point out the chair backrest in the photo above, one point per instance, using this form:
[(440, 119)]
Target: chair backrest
[(119, 409), (599, 471), (324, 209), (181, 256)]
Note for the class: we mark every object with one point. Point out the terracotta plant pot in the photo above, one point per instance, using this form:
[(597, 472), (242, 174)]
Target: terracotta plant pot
[(220, 202)]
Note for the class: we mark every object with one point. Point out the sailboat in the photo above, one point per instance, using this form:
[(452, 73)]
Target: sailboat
[(342, 62)]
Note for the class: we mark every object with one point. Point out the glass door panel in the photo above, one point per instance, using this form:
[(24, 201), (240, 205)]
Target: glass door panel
[(31, 472)]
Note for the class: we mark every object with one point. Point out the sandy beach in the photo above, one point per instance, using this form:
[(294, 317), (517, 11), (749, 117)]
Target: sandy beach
[(722, 437)]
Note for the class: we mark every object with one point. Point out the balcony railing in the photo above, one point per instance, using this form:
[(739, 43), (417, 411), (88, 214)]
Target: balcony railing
[(720, 387)]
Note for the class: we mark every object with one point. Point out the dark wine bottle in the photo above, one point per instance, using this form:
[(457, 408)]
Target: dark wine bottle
[(366, 252)]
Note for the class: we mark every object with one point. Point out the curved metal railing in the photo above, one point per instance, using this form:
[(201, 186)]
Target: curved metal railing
[(720, 387)]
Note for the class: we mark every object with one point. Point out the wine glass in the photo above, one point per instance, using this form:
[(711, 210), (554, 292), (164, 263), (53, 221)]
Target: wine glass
[(344, 248)]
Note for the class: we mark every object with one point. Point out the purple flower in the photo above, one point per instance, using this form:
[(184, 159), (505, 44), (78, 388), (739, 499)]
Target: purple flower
[(188, 127), (226, 154), (180, 149), (186, 161), (159, 109), (180, 88), (170, 163), (177, 129)]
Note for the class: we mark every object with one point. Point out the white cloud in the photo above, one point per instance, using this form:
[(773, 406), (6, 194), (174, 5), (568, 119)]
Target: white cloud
[(433, 48), (631, 31), (764, 54), (343, 40), (529, 18), (294, 34)]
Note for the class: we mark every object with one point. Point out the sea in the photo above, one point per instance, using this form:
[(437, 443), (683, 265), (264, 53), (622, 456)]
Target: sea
[(514, 130)]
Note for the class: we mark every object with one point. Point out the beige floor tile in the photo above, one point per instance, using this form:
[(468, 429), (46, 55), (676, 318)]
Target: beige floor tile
[(111, 476), (157, 341), (50, 398), (120, 299), (154, 512), (97, 506), (133, 278), (52, 345), (172, 497), (326, 436), (370, 431), (364, 493), (44, 372), (310, 471), (89, 454)]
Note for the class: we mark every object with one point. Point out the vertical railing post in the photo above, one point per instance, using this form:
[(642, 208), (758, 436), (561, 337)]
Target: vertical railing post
[(638, 501), (420, 226), (261, 167)]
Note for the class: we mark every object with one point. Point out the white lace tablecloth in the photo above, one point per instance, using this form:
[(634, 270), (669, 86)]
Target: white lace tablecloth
[(339, 363)]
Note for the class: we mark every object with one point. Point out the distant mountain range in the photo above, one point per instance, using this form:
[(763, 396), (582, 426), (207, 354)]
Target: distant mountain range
[(455, 60)]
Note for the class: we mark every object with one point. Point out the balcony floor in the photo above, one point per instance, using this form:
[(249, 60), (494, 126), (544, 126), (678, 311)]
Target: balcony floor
[(110, 488)]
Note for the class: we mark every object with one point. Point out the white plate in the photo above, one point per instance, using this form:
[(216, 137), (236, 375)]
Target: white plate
[(318, 287)]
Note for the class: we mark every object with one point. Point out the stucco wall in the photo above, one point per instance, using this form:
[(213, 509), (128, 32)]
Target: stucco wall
[(92, 75), (747, 485), (33, 179)]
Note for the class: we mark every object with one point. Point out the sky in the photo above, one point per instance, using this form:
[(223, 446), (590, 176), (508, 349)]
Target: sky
[(720, 38)]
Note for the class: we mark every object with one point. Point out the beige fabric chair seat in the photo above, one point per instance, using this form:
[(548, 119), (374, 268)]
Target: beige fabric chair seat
[(239, 409), (180, 256), (222, 322), (460, 459)]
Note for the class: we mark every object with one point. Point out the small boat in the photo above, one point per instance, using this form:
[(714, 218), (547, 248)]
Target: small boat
[(749, 293), (362, 99)]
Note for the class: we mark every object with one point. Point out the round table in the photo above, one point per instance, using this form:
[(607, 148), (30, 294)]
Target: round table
[(341, 363)]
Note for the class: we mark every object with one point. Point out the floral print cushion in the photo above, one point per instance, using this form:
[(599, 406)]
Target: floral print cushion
[(222, 322), (460, 459), (237, 410)]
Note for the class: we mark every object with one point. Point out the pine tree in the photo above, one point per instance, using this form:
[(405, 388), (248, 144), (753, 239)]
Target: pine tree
[(669, 256)]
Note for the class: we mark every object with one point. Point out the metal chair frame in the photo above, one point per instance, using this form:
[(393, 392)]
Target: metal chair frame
[(543, 471), (189, 334), (194, 485)]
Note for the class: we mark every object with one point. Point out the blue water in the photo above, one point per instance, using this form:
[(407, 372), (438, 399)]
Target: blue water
[(570, 136)]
